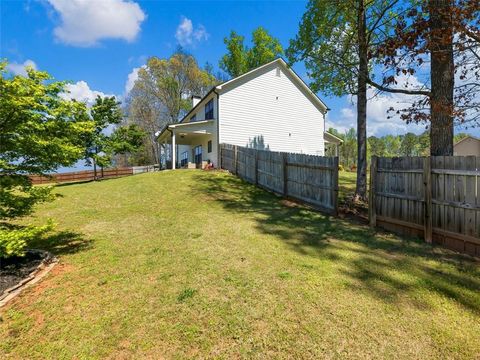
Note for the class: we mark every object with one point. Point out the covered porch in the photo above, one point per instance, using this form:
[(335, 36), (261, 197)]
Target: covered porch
[(192, 145), (332, 144)]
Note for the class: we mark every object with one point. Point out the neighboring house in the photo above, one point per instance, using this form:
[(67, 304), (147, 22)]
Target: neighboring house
[(268, 108), (467, 146)]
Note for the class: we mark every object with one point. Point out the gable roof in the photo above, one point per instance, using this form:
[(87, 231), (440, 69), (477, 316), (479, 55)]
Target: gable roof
[(465, 138), (287, 68), (237, 80), (187, 115)]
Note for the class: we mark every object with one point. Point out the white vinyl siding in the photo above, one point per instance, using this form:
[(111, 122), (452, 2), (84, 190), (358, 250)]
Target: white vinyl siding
[(274, 108), (199, 114)]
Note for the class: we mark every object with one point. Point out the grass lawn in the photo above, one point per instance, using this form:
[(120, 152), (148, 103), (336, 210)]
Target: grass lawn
[(186, 264), (347, 181)]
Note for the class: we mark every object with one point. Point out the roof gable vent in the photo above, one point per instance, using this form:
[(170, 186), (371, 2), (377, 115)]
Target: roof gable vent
[(278, 72)]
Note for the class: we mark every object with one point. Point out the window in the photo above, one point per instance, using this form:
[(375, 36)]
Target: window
[(193, 118), (209, 110), (197, 155), (184, 159), (209, 146)]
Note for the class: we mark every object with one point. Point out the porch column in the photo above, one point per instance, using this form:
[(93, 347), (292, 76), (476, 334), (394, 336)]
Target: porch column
[(336, 149), (174, 151)]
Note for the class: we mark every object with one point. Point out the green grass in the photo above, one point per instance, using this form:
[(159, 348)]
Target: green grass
[(193, 264), (347, 181)]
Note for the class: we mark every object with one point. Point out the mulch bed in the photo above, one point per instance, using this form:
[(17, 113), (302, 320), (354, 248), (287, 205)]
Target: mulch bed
[(15, 269)]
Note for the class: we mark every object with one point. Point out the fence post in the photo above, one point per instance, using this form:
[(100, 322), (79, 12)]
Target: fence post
[(372, 211), (335, 185), (285, 174), (427, 181), (235, 159), (256, 167)]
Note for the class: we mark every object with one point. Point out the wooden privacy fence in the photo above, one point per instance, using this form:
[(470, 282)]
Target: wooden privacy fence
[(309, 178), (85, 175), (437, 198)]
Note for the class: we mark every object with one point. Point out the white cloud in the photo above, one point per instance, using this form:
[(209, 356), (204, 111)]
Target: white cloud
[(131, 78), (379, 121), (80, 91), (86, 22), (187, 35), (19, 68)]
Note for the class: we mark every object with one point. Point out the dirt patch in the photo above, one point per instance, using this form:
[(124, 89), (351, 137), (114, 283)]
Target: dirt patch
[(353, 209), (15, 269), (290, 203)]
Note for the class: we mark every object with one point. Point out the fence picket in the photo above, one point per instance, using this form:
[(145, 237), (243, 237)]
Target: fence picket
[(313, 179), (437, 198)]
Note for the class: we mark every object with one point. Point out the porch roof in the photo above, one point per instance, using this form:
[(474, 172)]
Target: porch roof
[(332, 139), (196, 127)]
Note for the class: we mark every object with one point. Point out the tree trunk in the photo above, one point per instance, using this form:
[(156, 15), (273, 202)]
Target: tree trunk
[(95, 164), (94, 170), (361, 189), (442, 78)]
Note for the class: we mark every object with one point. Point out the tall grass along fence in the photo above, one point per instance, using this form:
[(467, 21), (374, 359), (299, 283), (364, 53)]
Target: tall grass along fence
[(88, 175), (437, 198), (311, 179)]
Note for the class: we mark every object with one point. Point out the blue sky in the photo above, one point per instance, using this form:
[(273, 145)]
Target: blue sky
[(97, 44)]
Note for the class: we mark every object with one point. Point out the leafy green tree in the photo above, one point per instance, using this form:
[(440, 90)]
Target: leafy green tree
[(241, 59), (348, 150), (235, 61), (377, 146), (424, 144), (101, 147), (337, 41), (172, 81), (126, 140), (39, 132), (161, 95), (392, 145), (265, 48), (409, 146), (105, 113)]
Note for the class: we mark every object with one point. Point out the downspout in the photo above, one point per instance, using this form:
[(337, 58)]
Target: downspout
[(219, 156)]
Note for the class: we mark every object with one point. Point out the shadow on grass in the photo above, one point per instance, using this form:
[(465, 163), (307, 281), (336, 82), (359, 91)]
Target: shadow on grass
[(62, 242), (386, 266), (79, 182), (66, 184)]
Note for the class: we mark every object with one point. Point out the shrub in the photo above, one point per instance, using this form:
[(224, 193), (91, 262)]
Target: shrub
[(341, 168), (14, 240), (40, 130)]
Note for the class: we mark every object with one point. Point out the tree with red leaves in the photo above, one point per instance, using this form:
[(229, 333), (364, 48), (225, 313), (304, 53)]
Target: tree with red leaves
[(446, 33)]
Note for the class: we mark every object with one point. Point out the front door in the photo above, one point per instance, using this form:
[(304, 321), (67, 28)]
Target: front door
[(197, 153)]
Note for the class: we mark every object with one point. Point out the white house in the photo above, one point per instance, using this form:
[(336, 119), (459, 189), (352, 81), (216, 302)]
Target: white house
[(269, 107)]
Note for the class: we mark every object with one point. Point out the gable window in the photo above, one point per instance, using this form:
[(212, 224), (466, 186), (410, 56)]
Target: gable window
[(209, 146), (209, 110)]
